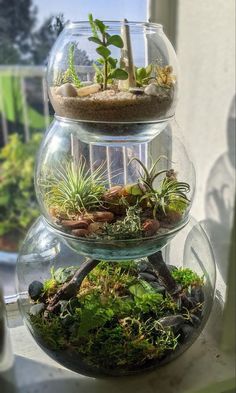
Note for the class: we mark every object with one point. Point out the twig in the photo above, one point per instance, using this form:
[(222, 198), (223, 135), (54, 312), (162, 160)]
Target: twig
[(70, 288)]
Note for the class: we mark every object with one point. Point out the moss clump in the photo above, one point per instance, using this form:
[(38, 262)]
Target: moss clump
[(115, 320), (186, 277)]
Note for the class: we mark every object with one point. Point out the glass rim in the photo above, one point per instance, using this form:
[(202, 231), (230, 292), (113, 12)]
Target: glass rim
[(70, 24)]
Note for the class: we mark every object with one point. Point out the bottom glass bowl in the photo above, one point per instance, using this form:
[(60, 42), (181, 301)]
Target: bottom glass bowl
[(115, 318)]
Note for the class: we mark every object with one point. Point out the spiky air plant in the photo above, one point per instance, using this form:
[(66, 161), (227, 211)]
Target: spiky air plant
[(170, 195), (74, 189)]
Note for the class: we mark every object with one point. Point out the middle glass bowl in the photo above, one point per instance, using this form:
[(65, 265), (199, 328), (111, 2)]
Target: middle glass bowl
[(107, 198)]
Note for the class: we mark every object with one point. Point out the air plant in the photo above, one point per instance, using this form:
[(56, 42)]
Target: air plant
[(164, 77), (171, 193), (101, 37), (75, 189)]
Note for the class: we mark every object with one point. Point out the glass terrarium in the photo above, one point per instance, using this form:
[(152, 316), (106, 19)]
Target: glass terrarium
[(117, 74), (103, 199), (118, 317)]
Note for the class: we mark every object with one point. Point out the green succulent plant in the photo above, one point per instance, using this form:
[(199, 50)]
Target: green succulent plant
[(143, 75), (108, 70)]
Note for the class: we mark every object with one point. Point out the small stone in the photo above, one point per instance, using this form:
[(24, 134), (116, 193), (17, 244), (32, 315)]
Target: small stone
[(150, 227), (186, 331), (37, 309), (87, 90), (174, 322), (100, 216), (195, 320), (72, 224), (80, 232), (136, 90), (35, 289), (145, 266), (66, 90), (152, 90), (147, 276), (158, 288), (197, 294)]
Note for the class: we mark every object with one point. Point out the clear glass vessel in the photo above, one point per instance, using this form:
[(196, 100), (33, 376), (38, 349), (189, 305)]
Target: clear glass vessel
[(115, 318), (100, 198), (114, 74)]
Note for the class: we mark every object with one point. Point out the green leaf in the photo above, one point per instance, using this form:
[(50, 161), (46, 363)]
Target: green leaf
[(115, 40), (112, 62), (63, 274), (103, 51), (120, 74), (96, 40), (100, 25), (93, 26), (141, 73), (141, 288)]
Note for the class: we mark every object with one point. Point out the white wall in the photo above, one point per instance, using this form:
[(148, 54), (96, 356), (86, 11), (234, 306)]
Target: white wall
[(206, 51)]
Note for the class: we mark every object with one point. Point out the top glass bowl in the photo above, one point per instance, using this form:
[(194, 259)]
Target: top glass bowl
[(113, 72)]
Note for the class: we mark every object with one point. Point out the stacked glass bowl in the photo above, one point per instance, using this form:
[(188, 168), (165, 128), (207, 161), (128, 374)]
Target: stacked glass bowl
[(114, 278)]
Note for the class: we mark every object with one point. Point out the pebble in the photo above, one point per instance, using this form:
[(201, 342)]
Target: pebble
[(35, 289), (158, 288), (195, 320), (100, 216), (150, 227), (175, 322), (87, 90), (152, 90), (67, 90), (72, 224), (197, 294), (145, 266), (147, 276), (80, 232), (187, 331), (136, 90), (37, 309)]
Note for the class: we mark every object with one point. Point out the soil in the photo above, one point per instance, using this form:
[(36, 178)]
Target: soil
[(114, 106)]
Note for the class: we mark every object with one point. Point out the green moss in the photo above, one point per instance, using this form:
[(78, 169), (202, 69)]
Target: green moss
[(186, 277), (50, 331), (112, 321)]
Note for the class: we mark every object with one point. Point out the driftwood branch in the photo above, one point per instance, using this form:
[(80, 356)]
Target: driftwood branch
[(71, 287), (163, 272), (161, 269)]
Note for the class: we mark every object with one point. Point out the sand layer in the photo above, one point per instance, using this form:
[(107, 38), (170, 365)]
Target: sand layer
[(113, 106)]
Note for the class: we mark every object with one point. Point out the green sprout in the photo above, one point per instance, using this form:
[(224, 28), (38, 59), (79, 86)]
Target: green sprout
[(101, 37), (73, 189), (143, 75), (71, 75)]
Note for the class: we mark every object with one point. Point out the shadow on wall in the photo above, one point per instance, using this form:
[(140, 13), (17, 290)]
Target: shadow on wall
[(220, 198)]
